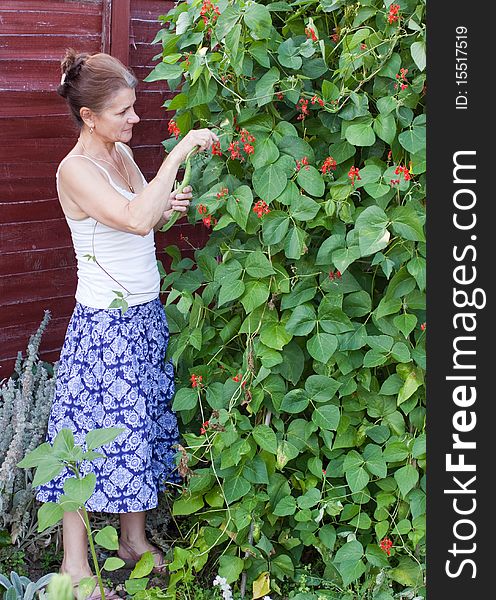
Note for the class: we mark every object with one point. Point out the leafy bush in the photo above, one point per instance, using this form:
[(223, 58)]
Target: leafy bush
[(299, 329)]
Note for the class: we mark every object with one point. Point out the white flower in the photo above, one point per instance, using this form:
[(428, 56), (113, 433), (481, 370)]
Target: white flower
[(267, 598), (222, 581)]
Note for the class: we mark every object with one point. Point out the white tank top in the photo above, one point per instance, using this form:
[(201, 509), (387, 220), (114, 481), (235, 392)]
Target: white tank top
[(124, 262)]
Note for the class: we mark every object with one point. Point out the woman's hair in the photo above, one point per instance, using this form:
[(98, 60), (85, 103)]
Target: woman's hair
[(92, 80)]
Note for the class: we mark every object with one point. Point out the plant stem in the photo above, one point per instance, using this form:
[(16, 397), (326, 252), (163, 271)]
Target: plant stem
[(93, 551)]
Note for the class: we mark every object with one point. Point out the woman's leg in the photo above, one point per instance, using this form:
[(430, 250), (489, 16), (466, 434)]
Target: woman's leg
[(75, 541), (134, 535)]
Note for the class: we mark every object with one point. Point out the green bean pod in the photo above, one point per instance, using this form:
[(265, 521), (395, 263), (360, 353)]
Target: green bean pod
[(180, 189)]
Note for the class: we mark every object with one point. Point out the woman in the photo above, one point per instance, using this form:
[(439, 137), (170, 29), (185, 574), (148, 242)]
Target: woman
[(112, 371)]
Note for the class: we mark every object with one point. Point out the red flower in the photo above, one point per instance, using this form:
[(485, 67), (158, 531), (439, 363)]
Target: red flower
[(324, 472), (317, 99), (328, 165), (248, 149), (174, 129), (280, 96), (393, 13), (310, 33), (423, 326), (223, 192), (386, 544), (334, 274), (234, 150), (202, 209), (246, 136), (196, 380), (261, 208), (237, 378), (204, 427), (354, 173), (301, 163), (216, 151), (207, 221), (303, 106), (363, 46)]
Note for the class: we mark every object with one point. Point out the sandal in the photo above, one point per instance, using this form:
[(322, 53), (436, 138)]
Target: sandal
[(133, 557)]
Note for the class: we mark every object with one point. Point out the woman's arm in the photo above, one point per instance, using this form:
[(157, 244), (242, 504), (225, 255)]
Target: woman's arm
[(96, 197)]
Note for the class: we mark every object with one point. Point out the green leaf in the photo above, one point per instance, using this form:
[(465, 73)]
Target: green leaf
[(417, 50), (274, 227), (417, 269), (107, 538), (144, 566), (356, 475), (406, 223), (372, 233), (230, 567), (99, 437), (285, 507), (413, 140), (311, 181), (47, 470), (326, 417), (230, 290), (187, 505), (406, 478), (385, 127), (164, 71), (302, 320), (304, 208), (360, 134), (321, 388), (269, 182), (294, 243), (112, 563), (258, 20), (294, 401), (350, 551), (48, 514), (264, 89), (202, 91), (235, 487), (275, 335), (256, 294), (343, 257), (239, 205), (322, 346), (80, 489), (185, 399), (43, 452), (265, 438), (405, 323), (408, 572), (266, 152)]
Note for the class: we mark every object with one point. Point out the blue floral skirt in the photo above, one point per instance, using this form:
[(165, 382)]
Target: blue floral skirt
[(112, 373)]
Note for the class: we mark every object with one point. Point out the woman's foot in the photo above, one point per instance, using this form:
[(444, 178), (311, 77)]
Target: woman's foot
[(131, 552), (80, 572)]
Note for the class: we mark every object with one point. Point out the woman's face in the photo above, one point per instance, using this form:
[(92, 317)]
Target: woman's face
[(115, 123)]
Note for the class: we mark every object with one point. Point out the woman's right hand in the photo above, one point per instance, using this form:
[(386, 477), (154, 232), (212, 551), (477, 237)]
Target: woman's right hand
[(204, 138)]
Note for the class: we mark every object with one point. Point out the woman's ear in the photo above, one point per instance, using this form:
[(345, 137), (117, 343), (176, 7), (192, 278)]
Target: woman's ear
[(87, 116)]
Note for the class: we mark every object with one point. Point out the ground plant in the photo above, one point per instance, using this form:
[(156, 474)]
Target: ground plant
[(298, 331)]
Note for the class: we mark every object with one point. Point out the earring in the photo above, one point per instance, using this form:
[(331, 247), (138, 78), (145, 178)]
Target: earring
[(91, 129)]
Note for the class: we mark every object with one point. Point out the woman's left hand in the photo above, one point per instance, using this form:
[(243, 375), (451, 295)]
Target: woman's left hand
[(179, 202)]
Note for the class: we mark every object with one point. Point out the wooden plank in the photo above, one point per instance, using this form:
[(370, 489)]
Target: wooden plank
[(60, 307), (32, 127), (10, 172), (150, 8), (28, 187), (36, 260), (50, 47), (14, 339), (78, 20), (29, 75), (36, 150), (71, 6), (35, 235), (38, 285), (22, 211), (35, 103), (119, 44), (106, 26)]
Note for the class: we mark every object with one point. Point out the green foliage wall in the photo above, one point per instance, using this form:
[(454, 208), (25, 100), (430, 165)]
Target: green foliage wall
[(299, 329)]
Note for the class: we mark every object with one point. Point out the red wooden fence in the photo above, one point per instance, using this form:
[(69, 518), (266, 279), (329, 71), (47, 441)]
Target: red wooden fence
[(37, 266)]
